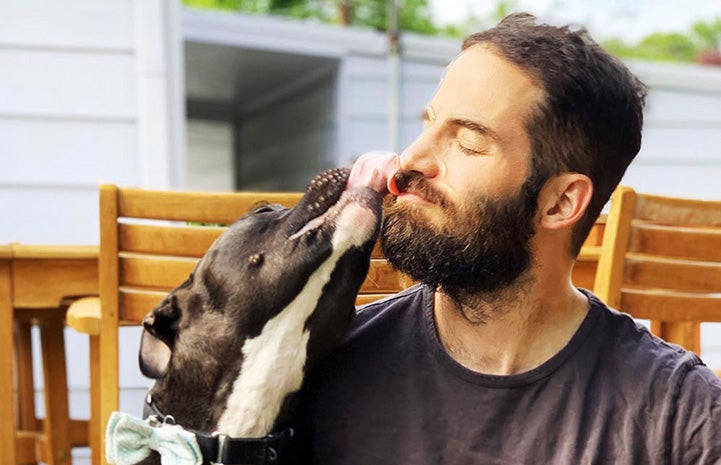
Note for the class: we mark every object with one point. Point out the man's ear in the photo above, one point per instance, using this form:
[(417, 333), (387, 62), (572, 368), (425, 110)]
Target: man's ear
[(158, 339), (564, 199)]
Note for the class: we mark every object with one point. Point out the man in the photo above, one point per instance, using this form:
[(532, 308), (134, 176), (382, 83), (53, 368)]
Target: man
[(497, 358)]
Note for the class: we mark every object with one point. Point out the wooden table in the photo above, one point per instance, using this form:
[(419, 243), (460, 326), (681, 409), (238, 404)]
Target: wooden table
[(34, 282)]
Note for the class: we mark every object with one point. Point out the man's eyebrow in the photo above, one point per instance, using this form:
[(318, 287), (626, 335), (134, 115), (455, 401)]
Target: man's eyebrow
[(476, 127), (429, 114)]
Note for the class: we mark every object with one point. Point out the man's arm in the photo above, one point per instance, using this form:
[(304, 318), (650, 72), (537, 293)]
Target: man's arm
[(696, 434)]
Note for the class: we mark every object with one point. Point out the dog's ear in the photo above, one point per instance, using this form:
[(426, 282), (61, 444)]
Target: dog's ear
[(158, 338)]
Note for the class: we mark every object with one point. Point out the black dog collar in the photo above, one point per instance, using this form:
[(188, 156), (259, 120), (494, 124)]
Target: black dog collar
[(221, 449)]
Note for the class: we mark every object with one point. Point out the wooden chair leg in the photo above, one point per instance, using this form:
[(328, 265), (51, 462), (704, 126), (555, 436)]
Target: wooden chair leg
[(26, 417), (94, 428), (7, 415), (57, 418)]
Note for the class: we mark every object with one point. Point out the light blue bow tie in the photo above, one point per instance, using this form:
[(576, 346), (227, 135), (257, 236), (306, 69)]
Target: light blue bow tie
[(129, 440)]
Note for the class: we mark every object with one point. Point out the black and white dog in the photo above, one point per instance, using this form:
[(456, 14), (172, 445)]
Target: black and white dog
[(230, 346)]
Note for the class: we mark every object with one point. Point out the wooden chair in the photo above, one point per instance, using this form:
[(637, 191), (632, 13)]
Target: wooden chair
[(584, 270), (661, 260), (35, 283), (7, 422), (150, 241)]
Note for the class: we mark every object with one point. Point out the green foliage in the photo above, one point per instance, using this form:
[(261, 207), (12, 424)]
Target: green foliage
[(232, 5), (414, 15), (708, 33), (680, 47), (657, 46)]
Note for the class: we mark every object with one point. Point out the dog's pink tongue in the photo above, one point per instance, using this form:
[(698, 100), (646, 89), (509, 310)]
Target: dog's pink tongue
[(374, 169)]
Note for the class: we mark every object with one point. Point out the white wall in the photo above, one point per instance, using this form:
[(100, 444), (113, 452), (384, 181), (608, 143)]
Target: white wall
[(67, 114), (681, 149), (88, 95)]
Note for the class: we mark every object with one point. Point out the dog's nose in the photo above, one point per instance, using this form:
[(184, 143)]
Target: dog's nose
[(322, 192)]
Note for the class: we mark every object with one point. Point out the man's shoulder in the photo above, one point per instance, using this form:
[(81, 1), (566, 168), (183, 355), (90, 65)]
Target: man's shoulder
[(634, 351)]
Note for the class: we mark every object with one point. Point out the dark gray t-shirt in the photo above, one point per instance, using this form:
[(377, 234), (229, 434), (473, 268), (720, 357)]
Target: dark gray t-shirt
[(614, 395)]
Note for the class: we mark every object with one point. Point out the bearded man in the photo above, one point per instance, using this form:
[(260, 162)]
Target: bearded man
[(496, 358)]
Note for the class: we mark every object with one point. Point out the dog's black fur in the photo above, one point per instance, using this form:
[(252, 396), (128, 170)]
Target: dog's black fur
[(193, 341)]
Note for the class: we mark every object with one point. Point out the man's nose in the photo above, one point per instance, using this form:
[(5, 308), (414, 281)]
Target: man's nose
[(423, 155)]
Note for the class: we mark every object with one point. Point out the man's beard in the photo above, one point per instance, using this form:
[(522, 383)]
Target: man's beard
[(481, 248)]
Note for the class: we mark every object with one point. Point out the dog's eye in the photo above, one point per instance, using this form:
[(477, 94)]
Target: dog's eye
[(256, 259)]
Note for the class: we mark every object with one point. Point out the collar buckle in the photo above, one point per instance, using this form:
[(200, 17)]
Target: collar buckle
[(222, 438)]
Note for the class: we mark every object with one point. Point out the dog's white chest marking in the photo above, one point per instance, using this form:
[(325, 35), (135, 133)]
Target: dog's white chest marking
[(274, 360)]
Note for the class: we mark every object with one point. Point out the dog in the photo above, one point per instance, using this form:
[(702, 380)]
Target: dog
[(229, 348)]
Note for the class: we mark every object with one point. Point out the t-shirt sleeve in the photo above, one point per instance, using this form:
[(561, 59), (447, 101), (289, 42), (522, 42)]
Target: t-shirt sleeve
[(696, 426)]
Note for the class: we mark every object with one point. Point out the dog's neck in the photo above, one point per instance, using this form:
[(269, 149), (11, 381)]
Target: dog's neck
[(274, 362)]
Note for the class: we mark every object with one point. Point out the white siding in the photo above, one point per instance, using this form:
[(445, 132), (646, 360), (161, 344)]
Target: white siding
[(67, 115), (681, 149), (60, 84), (71, 152), (86, 24)]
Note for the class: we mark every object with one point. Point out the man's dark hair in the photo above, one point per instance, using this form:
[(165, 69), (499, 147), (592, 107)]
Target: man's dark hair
[(591, 118)]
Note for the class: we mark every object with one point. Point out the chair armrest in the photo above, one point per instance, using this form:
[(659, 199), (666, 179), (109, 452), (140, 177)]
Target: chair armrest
[(84, 315)]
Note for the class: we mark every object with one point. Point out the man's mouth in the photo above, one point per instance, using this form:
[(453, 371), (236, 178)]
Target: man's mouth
[(409, 186), (414, 198)]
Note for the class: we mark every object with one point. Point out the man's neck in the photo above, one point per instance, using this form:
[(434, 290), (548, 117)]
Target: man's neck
[(509, 332)]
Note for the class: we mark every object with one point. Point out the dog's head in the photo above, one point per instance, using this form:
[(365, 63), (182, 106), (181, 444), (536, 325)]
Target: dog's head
[(272, 295)]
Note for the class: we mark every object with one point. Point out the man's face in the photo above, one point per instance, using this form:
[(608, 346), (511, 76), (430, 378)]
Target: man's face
[(464, 216)]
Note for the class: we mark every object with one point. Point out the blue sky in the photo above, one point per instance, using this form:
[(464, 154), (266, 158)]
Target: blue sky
[(627, 19)]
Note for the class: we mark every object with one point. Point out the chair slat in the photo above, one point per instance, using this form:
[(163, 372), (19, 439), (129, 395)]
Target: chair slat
[(364, 299), (584, 273), (671, 210), (679, 275), (669, 306), (377, 252), (383, 278), (203, 207), (183, 241), (698, 243), (136, 303), (154, 272), (166, 273)]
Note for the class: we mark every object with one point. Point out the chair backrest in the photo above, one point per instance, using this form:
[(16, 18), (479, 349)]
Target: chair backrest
[(661, 260), (151, 241)]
